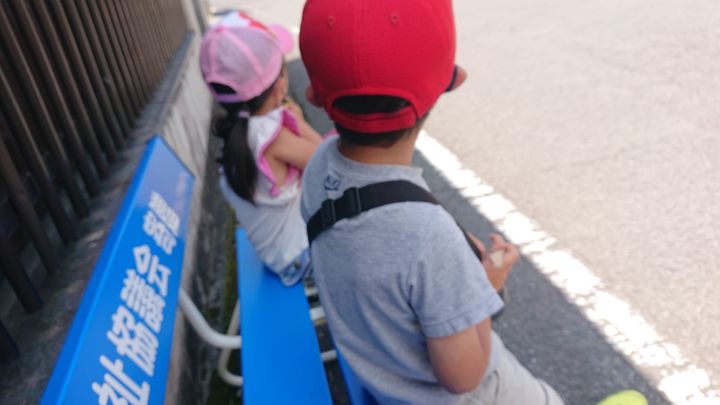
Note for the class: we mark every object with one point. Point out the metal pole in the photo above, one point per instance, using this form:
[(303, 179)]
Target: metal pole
[(146, 42), (162, 18), (224, 358), (106, 23), (94, 61), (124, 49), (8, 349), (159, 19), (56, 101), (106, 58), (206, 332), (37, 99), (144, 64), (155, 43), (18, 279), (40, 174), (83, 106), (24, 206)]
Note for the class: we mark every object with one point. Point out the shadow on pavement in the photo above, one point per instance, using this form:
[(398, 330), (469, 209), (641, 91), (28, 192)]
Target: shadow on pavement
[(548, 334)]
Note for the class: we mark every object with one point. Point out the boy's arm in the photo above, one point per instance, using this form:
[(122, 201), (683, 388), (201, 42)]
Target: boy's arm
[(459, 361), (453, 300)]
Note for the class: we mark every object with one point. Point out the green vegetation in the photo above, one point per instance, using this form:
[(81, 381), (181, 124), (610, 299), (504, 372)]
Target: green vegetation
[(220, 392)]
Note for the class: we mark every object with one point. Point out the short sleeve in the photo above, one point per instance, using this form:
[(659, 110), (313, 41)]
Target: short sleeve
[(448, 289)]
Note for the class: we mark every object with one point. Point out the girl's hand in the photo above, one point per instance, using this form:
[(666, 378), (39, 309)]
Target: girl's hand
[(295, 109), (497, 273), (306, 131)]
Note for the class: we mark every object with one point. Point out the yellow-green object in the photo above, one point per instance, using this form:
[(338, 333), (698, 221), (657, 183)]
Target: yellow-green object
[(628, 397)]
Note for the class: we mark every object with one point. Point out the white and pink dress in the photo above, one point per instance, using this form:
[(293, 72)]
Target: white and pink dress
[(273, 224)]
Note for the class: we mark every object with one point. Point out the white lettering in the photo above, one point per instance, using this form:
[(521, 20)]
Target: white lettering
[(139, 296), (154, 228), (134, 340), (119, 389), (165, 212)]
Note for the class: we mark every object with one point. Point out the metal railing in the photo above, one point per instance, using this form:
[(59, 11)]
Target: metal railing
[(74, 76)]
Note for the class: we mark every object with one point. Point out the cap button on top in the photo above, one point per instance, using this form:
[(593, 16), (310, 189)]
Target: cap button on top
[(394, 18), (331, 21)]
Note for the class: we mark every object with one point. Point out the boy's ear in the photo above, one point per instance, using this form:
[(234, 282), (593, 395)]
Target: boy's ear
[(310, 95)]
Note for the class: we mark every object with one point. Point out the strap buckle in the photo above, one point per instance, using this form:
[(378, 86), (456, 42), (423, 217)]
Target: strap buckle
[(351, 202), (346, 206), (327, 214)]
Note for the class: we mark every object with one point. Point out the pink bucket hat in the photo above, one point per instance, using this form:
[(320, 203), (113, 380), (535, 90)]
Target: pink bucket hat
[(244, 55)]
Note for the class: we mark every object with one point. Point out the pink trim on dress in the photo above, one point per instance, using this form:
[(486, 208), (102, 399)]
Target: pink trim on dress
[(287, 121), (290, 122)]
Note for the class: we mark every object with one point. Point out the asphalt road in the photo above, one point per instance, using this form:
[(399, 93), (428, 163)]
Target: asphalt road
[(601, 121)]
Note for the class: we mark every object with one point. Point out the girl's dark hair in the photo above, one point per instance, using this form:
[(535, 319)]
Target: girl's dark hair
[(237, 159), (372, 105)]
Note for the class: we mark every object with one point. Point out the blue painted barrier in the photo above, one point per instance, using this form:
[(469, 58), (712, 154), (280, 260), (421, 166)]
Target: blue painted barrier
[(118, 347)]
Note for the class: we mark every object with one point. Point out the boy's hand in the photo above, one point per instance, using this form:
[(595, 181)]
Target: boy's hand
[(497, 273)]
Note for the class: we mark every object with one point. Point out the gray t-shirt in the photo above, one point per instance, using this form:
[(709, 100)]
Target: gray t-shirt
[(391, 277)]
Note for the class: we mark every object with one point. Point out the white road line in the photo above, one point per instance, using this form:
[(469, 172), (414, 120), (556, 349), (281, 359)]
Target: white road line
[(680, 380)]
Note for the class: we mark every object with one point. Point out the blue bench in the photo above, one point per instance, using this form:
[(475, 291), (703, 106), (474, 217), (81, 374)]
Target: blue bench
[(281, 359), (118, 347), (119, 344)]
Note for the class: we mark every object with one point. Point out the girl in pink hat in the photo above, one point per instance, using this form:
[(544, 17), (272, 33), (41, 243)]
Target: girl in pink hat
[(266, 142)]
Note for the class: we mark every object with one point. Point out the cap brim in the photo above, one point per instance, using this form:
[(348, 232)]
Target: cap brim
[(283, 37), (458, 78)]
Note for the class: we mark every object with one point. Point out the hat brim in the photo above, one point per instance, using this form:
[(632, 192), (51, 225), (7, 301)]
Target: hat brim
[(283, 37)]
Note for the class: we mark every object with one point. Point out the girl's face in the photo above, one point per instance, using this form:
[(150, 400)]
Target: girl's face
[(283, 84)]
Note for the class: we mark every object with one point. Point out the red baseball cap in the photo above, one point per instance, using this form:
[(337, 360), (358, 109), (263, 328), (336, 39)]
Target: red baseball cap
[(400, 48)]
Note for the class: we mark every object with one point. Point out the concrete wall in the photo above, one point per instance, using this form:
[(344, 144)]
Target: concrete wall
[(186, 130)]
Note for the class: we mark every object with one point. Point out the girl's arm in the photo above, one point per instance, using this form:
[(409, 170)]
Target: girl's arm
[(291, 149), (306, 131)]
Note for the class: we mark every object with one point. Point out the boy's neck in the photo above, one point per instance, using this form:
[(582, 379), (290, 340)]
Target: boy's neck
[(399, 153)]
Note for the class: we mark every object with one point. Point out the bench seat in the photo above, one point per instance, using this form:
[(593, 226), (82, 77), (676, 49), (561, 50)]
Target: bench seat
[(281, 361)]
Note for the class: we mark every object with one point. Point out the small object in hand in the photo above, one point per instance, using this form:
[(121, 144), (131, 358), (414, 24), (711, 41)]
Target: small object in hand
[(496, 257), (627, 397)]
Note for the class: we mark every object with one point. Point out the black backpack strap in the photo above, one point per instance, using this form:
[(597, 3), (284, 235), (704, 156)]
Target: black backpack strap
[(355, 201)]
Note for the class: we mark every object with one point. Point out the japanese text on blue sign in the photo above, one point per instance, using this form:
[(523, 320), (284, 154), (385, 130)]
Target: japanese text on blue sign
[(117, 351)]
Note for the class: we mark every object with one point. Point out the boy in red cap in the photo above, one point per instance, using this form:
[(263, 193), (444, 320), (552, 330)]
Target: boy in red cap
[(406, 298)]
